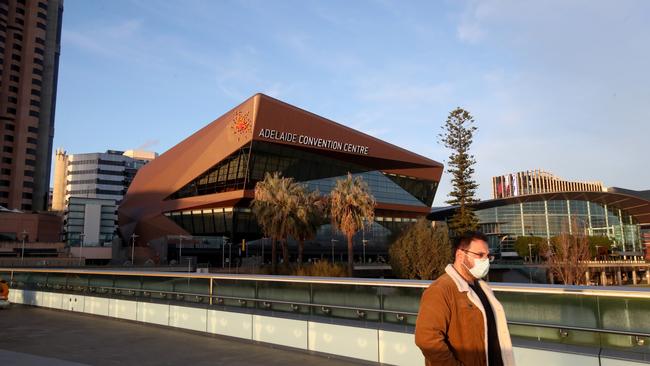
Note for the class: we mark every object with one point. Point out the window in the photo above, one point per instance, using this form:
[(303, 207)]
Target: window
[(42, 5), (32, 129), (9, 126), (26, 207), (17, 47), (7, 149), (42, 15), (30, 151), (11, 110), (12, 99), (34, 114), (13, 89), (9, 138), (38, 61), (31, 140), (30, 162), (29, 173), (37, 82), (6, 160), (18, 36), (14, 78), (35, 103), (37, 71), (15, 68), (36, 92), (15, 57), (20, 21), (5, 171), (27, 195), (4, 183), (39, 51), (4, 11), (41, 25), (20, 11), (40, 41)]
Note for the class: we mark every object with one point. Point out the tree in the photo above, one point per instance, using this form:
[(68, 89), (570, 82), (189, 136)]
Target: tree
[(311, 213), (522, 248), (352, 207), (457, 136), (421, 252), (567, 256), (274, 206)]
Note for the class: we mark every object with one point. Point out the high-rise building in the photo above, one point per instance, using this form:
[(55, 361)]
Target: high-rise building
[(95, 175), (30, 41)]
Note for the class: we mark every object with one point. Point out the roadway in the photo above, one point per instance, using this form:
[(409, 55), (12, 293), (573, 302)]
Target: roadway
[(36, 336)]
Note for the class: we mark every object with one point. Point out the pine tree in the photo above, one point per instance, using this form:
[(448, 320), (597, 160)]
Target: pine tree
[(457, 136)]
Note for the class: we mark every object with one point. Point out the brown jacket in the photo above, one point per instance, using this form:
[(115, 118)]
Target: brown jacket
[(451, 325), (4, 291)]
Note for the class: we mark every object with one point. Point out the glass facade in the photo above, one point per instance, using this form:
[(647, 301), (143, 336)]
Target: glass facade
[(549, 218), (318, 171)]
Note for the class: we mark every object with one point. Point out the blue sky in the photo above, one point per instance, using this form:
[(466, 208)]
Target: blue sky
[(558, 85)]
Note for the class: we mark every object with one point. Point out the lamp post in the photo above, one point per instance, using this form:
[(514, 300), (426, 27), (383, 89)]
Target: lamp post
[(530, 252), (81, 247), (223, 251), (22, 254), (133, 237), (180, 248), (333, 241), (364, 241), (229, 255)]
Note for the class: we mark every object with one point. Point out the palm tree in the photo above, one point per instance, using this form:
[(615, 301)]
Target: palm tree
[(352, 208), (274, 206), (311, 214)]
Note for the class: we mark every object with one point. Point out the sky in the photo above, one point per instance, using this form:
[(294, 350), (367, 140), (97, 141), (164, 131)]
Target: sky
[(562, 86)]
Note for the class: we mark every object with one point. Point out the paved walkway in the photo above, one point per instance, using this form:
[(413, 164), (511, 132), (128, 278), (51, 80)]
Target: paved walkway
[(37, 336)]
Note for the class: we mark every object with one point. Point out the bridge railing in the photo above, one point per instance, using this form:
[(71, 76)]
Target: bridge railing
[(616, 318)]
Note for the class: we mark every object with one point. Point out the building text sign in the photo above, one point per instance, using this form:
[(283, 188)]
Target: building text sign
[(305, 140)]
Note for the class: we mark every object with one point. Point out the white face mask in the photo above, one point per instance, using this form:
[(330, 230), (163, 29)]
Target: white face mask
[(480, 269)]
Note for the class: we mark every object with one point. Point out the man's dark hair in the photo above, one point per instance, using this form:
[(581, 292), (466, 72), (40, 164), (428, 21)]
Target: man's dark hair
[(463, 241)]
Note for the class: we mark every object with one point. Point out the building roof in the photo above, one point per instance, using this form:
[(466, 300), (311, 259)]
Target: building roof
[(634, 203)]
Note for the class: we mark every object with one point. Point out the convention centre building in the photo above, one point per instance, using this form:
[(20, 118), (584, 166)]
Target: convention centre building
[(196, 196)]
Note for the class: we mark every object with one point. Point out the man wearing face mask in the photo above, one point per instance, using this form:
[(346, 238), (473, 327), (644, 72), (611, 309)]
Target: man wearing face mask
[(460, 322)]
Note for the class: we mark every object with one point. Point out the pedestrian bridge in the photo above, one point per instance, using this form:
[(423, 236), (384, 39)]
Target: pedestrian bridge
[(365, 319)]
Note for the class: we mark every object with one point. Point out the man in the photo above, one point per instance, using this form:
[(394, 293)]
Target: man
[(460, 321)]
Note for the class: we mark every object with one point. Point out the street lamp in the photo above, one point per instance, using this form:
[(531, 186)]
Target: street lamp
[(333, 241), (81, 247), (133, 237), (22, 255), (364, 241)]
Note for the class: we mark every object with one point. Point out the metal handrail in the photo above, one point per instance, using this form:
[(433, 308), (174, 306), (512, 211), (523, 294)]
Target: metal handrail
[(361, 310), (610, 291)]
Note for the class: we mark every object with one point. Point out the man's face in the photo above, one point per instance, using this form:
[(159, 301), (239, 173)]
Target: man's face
[(477, 249)]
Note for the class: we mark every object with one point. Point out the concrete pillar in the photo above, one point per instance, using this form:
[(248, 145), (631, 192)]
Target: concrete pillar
[(603, 278), (634, 276), (587, 279), (619, 277), (647, 275)]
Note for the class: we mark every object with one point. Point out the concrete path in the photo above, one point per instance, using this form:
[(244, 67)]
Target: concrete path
[(37, 336)]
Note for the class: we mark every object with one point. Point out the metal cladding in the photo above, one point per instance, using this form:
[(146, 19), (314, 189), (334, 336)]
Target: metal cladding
[(260, 118)]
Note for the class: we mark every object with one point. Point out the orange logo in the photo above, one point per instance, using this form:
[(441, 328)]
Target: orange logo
[(241, 125)]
